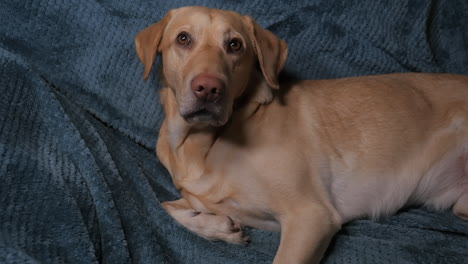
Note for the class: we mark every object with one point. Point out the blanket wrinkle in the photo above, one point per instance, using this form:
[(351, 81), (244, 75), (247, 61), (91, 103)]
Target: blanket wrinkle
[(79, 178)]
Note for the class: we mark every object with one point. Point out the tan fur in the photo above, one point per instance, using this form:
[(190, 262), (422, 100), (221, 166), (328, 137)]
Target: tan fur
[(313, 156)]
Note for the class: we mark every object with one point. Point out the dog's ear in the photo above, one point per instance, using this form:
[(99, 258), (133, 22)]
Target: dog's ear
[(147, 43), (271, 51)]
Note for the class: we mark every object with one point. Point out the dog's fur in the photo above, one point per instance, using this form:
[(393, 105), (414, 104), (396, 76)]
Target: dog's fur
[(300, 158)]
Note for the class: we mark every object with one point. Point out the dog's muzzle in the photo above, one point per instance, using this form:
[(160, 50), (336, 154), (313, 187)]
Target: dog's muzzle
[(209, 101)]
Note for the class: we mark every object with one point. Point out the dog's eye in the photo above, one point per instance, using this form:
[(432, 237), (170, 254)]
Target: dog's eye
[(183, 39), (235, 45)]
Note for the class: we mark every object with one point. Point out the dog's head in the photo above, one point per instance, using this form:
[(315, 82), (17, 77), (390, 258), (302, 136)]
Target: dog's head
[(209, 60)]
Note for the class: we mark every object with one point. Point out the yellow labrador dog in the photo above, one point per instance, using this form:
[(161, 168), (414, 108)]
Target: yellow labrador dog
[(301, 158)]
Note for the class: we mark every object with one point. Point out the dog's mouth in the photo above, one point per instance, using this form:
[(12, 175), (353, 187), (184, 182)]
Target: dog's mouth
[(204, 115)]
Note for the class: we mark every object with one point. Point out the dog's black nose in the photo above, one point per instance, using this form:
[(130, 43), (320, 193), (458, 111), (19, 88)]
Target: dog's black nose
[(207, 88)]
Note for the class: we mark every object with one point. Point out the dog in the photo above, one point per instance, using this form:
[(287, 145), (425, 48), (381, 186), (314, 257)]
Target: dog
[(303, 157)]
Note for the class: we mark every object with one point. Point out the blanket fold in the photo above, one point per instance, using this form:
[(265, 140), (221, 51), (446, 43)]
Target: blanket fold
[(79, 179)]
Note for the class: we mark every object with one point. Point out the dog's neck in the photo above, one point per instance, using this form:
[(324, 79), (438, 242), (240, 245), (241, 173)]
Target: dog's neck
[(182, 145)]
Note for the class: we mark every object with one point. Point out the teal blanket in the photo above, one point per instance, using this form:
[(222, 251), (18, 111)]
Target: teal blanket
[(79, 178)]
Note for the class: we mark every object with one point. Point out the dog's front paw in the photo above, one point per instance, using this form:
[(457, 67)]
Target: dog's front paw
[(207, 225), (219, 227)]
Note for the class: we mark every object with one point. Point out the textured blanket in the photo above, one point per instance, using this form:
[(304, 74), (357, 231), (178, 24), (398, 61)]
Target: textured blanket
[(79, 178)]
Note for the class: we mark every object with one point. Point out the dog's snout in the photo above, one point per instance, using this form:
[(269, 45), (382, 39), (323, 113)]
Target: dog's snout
[(207, 88)]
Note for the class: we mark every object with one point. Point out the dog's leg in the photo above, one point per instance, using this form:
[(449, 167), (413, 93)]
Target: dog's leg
[(305, 235), (207, 225)]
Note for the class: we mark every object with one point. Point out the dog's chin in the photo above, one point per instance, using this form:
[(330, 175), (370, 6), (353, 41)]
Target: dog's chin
[(205, 117)]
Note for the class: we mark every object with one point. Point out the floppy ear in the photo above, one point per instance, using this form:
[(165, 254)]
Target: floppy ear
[(271, 52), (147, 43)]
